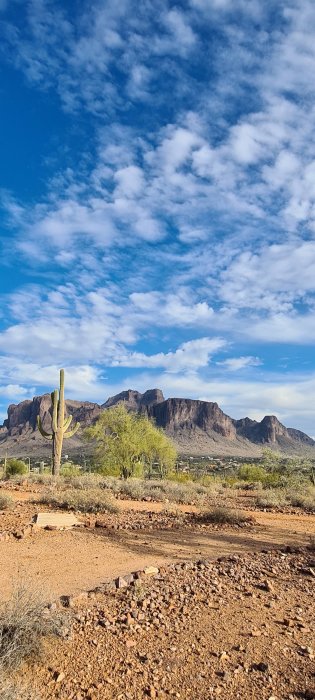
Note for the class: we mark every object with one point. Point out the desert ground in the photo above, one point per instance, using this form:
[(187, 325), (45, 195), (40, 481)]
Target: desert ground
[(162, 604)]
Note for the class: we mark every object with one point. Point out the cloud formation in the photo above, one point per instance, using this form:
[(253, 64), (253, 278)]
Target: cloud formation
[(178, 225)]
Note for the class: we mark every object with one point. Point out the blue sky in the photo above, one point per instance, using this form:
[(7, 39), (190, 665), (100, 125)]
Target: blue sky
[(157, 191)]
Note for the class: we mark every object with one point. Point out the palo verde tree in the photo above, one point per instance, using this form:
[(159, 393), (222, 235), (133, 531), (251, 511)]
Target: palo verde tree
[(59, 424), (128, 443)]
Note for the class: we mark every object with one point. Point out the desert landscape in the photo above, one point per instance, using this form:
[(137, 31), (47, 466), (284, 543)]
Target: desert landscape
[(159, 590), (157, 367)]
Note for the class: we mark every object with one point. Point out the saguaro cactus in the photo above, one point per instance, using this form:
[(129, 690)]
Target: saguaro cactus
[(60, 425)]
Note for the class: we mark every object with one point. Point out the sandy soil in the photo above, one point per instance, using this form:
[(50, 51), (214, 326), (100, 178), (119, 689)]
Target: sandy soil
[(69, 561)]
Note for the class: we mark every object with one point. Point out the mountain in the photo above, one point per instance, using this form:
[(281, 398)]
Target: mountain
[(197, 427)]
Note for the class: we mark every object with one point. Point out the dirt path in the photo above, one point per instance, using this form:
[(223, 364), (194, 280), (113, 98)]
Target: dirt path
[(66, 562)]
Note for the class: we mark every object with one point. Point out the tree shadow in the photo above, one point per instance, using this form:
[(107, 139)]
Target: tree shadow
[(188, 543)]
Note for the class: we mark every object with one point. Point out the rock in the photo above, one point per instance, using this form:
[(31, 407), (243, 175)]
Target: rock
[(59, 521), (150, 570), (268, 586), (121, 582), (59, 677), (261, 666)]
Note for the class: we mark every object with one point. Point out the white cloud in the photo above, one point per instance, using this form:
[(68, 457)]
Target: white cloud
[(233, 364), (189, 356), (16, 391), (171, 309)]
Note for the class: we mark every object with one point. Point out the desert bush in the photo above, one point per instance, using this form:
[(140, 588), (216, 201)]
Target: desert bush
[(224, 516), (6, 502), (213, 484), (271, 498), (253, 473), (179, 477), (90, 501), (15, 467), (69, 469), (12, 691), (303, 499), (44, 478), (23, 625)]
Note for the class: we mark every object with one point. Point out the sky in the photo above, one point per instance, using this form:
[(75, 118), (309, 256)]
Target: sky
[(157, 201)]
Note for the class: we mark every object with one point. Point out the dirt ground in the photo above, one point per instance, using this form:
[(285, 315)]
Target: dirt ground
[(69, 561), (230, 613)]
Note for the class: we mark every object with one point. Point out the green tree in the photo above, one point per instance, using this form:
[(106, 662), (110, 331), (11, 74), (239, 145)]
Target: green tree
[(128, 444)]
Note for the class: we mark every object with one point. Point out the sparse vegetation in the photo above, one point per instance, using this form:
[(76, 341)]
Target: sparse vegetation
[(303, 499), (23, 625), (6, 502), (15, 467), (272, 498), (91, 501), (224, 516), (298, 498)]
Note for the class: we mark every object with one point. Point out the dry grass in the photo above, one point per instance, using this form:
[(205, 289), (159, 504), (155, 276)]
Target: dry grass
[(224, 516), (23, 625), (298, 498), (89, 501), (12, 691), (272, 498), (6, 502), (303, 499)]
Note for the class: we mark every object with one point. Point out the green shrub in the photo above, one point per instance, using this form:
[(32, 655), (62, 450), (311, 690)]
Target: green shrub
[(251, 472), (106, 469), (179, 477), (16, 467), (69, 469)]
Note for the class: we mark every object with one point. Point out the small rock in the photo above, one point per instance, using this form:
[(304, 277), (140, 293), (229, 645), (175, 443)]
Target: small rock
[(121, 582), (59, 677), (150, 570), (263, 667)]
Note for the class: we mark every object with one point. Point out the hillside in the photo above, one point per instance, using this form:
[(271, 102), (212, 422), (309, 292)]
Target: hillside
[(197, 427)]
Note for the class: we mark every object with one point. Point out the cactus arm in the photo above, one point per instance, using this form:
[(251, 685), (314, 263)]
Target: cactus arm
[(67, 423), (61, 404), (73, 431), (54, 400), (43, 432)]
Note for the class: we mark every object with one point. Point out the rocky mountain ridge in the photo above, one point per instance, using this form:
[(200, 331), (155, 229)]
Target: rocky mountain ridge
[(197, 427)]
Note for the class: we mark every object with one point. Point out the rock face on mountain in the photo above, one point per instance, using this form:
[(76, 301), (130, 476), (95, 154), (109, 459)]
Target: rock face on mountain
[(22, 418), (269, 430), (197, 427), (178, 415), (135, 401)]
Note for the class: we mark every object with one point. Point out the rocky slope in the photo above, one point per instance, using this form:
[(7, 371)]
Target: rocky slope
[(197, 427)]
